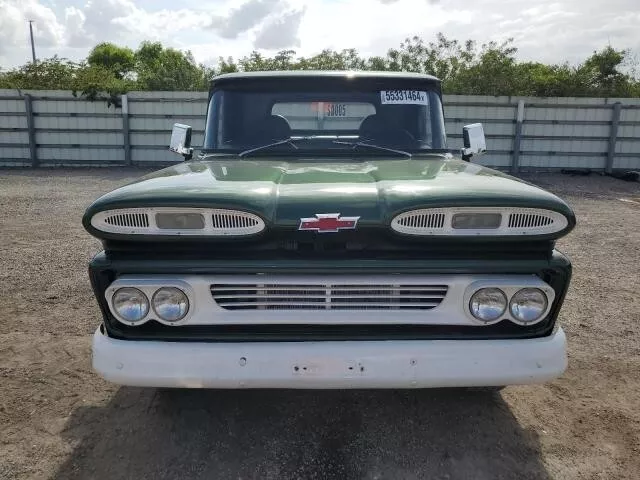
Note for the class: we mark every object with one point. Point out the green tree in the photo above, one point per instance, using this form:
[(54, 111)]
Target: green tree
[(49, 74), (489, 72), (376, 63), (96, 82), (227, 65), (347, 59), (604, 76), (160, 68), (463, 67), (92, 82), (254, 62), (540, 80), (443, 58), (118, 60), (286, 60)]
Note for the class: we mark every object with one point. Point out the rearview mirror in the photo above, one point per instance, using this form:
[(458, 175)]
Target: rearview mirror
[(181, 140), (474, 141)]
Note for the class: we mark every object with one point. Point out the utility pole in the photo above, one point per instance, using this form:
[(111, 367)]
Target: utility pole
[(33, 47)]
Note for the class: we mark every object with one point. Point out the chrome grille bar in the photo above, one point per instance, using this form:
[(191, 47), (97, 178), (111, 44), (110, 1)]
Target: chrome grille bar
[(254, 296)]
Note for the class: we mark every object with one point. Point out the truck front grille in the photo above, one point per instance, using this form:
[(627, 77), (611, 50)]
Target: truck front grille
[(284, 296), (139, 220), (529, 220)]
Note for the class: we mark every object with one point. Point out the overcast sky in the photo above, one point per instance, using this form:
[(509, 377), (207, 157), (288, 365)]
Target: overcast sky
[(545, 30)]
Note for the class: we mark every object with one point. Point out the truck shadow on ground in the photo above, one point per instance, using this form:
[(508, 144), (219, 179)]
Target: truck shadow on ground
[(280, 434)]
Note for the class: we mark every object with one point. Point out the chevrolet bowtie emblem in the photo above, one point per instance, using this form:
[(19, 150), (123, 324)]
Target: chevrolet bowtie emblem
[(328, 222)]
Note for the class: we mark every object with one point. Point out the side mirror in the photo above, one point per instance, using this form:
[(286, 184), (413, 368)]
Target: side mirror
[(181, 140), (474, 141)]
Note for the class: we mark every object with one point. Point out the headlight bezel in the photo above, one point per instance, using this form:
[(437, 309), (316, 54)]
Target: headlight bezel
[(510, 287), (149, 287)]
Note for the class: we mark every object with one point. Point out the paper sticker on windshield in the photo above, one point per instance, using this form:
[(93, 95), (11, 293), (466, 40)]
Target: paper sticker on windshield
[(335, 110), (404, 97)]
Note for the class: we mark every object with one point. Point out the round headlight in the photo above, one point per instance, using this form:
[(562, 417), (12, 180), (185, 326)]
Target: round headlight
[(130, 304), (170, 304), (488, 304), (528, 304)]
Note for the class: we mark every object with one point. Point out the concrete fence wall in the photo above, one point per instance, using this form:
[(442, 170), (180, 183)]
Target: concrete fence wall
[(52, 128)]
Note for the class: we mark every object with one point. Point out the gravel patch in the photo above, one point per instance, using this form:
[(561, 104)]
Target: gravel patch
[(60, 420)]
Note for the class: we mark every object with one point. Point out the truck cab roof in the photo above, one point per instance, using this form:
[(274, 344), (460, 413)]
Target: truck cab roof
[(274, 74)]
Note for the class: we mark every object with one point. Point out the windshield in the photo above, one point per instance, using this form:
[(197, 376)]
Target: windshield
[(408, 120)]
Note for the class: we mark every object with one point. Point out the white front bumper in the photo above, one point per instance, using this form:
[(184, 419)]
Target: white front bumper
[(347, 364)]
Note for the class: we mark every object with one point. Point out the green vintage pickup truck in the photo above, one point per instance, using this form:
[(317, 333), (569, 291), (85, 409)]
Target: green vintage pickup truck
[(325, 237)]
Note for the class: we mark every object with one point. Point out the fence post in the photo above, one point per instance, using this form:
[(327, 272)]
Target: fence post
[(125, 129), (33, 147), (515, 160), (613, 136)]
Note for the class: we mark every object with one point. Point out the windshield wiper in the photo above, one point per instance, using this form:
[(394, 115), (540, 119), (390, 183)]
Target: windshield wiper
[(289, 141), (355, 145)]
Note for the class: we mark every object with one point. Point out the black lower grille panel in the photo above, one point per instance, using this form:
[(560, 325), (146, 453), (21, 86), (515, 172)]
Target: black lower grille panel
[(296, 333)]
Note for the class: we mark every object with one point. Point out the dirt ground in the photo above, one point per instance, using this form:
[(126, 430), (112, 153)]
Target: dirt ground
[(59, 420)]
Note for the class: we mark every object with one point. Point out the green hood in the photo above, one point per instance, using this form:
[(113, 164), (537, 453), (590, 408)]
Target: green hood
[(284, 190)]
